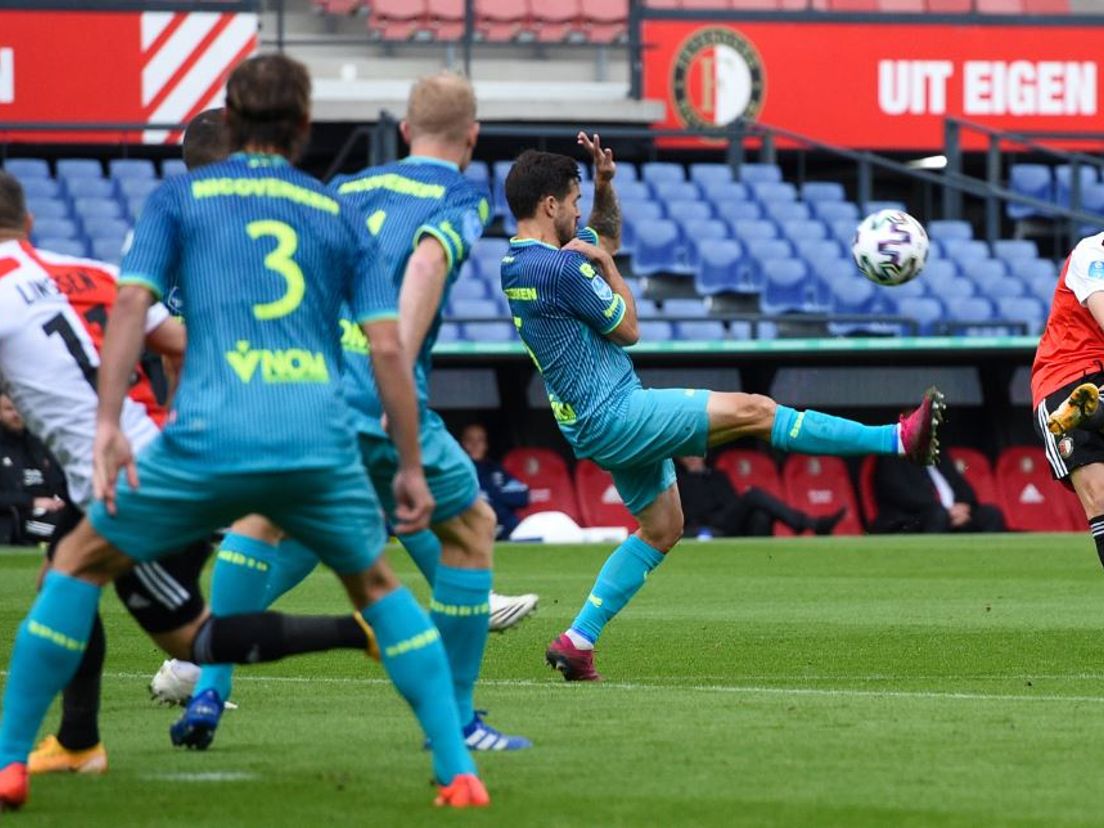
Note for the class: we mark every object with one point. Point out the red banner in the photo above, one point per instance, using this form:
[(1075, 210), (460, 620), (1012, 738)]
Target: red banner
[(875, 85), (119, 67)]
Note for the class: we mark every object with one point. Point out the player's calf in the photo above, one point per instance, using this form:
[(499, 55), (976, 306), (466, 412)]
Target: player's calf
[(1088, 483)]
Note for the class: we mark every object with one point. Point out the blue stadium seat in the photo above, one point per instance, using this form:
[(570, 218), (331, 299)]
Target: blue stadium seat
[(947, 229), (1023, 309), (26, 169), (108, 250), (702, 331), (835, 269), (657, 249), (1063, 180), (131, 168), (725, 191), (134, 187), (584, 172), (695, 232), (1006, 288), (1042, 288), (47, 208), (627, 171), (683, 211), (710, 173), (469, 270), (656, 331), (989, 275), (718, 268), (832, 211), (851, 295), (927, 312), (633, 190), (645, 308), (666, 191), (88, 188), (804, 230), (830, 191), (955, 289), (498, 187), (62, 245), (58, 228), (781, 211), (762, 250), (449, 332), (105, 227), (674, 308), (1009, 250), (641, 210), (489, 332), (843, 229), (877, 206), (773, 191), (916, 289), (750, 229), (97, 208), (491, 248), (134, 206), (173, 166), (70, 168), (732, 211), (1034, 269), (760, 173), (938, 272), (820, 250), (975, 309), (478, 172), (1092, 201), (40, 188), (964, 251), (467, 288), (789, 286), (1029, 180), (655, 172), (473, 308)]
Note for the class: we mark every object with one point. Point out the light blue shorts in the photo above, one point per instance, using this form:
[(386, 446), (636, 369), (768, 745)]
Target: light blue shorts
[(449, 471), (332, 510), (647, 429)]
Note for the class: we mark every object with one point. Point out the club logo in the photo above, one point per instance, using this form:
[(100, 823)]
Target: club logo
[(1096, 270), (1065, 447), (717, 77)]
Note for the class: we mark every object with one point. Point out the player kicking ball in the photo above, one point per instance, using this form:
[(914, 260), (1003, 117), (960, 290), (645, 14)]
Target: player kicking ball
[(575, 315)]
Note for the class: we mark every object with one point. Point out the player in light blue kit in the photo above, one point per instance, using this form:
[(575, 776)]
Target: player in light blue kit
[(266, 257), (575, 315)]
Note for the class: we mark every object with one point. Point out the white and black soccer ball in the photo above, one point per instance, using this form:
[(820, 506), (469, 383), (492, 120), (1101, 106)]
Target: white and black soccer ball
[(890, 247)]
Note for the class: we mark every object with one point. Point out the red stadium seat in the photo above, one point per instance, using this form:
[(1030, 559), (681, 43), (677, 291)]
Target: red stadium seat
[(746, 468), (1033, 501), (866, 490), (398, 19), (663, 4), (853, 5), (546, 475), (821, 486), (950, 6), (974, 466), (902, 6), (606, 19), (559, 20), (1000, 6), (1047, 6), (447, 18), (340, 6), (501, 20), (599, 501)]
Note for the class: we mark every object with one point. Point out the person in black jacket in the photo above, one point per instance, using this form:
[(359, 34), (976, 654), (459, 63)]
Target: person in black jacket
[(932, 499), (711, 507), (505, 493), (31, 482)]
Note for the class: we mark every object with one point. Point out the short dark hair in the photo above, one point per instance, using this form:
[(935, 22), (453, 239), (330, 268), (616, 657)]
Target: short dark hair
[(267, 101), (206, 140), (537, 175), (13, 204)]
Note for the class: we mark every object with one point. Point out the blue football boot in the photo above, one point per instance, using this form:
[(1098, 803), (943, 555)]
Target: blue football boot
[(478, 735), (196, 728)]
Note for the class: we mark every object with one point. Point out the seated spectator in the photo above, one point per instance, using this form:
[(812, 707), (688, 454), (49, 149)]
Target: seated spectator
[(937, 498), (31, 482), (712, 508), (506, 494)]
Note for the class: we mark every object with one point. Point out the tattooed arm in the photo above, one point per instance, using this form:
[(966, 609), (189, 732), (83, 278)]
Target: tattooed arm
[(605, 216)]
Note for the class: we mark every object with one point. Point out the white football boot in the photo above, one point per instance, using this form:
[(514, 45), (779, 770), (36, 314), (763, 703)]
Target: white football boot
[(510, 610)]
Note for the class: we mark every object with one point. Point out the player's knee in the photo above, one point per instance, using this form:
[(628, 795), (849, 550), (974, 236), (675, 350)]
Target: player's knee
[(259, 528), (750, 412), (663, 530), (84, 554), (1090, 490)]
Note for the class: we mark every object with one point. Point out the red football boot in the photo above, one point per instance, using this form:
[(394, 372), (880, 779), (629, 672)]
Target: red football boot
[(465, 791), (575, 664), (14, 788), (920, 429)]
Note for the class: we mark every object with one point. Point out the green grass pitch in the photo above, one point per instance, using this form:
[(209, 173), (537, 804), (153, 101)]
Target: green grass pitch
[(871, 681)]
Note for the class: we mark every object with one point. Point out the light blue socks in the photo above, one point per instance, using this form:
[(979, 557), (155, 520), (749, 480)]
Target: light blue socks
[(48, 649), (620, 578), (811, 432), (294, 562), (414, 658), (239, 584), (460, 607), (425, 549)]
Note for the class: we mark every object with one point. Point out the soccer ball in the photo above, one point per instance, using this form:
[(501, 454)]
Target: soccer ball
[(890, 247)]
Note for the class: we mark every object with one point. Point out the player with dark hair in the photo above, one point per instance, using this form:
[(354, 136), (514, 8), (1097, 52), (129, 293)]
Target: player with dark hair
[(575, 314), (263, 338), (206, 139)]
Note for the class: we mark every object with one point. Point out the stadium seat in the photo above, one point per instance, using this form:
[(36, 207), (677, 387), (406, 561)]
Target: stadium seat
[(947, 229), (655, 331), (971, 309), (1032, 180), (696, 231), (850, 295), (63, 246), (40, 188), (107, 249), (816, 191), (560, 21), (98, 227), (137, 187), (789, 286), (1032, 501), (1023, 309), (927, 311), (746, 468), (676, 308), (820, 486), (88, 188), (1092, 201), (172, 166), (868, 499), (656, 172), (632, 190), (131, 168), (47, 208), (877, 206), (704, 174), (97, 208), (843, 229), (747, 230), (1063, 181), (700, 331), (965, 251), (1029, 270), (991, 277), (446, 19), (832, 211), (760, 173), (627, 171), (26, 169), (718, 269), (1046, 6), (489, 331), (70, 168), (634, 213), (800, 230), (937, 272), (473, 309), (399, 19), (134, 206), (58, 228), (765, 191), (450, 332), (606, 20), (781, 211), (1014, 250), (657, 249), (468, 288), (599, 502), (814, 251), (739, 210), (546, 475), (716, 191), (667, 191), (684, 211), (975, 467)]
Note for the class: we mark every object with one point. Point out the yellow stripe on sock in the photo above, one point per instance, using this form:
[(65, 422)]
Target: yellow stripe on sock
[(417, 642), (460, 610)]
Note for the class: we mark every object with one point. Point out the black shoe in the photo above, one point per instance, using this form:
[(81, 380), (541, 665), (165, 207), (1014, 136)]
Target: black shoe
[(825, 525)]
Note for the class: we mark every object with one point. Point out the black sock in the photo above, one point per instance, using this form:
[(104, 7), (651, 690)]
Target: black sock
[(1096, 526), (80, 701), (255, 637)]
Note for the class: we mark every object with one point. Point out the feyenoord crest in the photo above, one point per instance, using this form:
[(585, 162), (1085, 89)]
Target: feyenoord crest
[(1065, 447), (717, 76)]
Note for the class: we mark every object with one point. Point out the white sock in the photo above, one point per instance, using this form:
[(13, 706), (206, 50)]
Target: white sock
[(900, 442), (578, 640)]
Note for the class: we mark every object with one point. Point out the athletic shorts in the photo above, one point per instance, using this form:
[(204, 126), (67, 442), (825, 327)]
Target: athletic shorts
[(161, 596), (333, 510), (646, 430), (449, 471), (1075, 449)]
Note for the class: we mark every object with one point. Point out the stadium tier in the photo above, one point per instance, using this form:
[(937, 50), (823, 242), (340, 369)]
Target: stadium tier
[(1054, 184)]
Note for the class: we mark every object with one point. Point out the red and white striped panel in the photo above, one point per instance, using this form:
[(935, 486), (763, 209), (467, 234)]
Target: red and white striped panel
[(186, 57)]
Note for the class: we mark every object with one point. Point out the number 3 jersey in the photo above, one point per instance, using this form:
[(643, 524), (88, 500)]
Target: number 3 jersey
[(265, 257), (52, 311)]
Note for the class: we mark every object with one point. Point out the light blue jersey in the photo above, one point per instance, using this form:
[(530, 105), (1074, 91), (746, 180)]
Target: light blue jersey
[(266, 257), (400, 204)]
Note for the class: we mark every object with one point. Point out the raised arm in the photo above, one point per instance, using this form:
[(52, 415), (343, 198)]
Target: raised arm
[(605, 215)]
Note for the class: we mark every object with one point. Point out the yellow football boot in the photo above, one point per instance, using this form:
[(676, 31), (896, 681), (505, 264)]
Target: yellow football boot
[(52, 757)]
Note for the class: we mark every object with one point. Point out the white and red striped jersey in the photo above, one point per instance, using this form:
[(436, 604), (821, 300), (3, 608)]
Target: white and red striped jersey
[(52, 312)]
